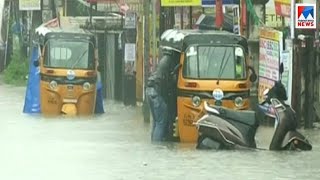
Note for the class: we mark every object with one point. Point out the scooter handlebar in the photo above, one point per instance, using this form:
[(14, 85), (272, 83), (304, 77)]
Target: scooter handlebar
[(277, 104)]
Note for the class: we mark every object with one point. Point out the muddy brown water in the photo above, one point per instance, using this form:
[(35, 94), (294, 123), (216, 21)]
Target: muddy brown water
[(117, 146)]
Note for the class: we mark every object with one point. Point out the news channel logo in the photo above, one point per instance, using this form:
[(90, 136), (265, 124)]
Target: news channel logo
[(305, 17)]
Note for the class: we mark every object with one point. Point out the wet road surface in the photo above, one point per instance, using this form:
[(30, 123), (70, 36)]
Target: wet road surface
[(117, 146)]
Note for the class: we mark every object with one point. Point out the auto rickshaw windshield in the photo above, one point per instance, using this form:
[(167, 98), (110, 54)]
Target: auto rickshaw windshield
[(63, 53), (214, 62)]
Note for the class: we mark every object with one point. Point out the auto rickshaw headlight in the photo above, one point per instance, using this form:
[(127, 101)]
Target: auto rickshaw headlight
[(86, 86), (53, 85), (196, 101), (238, 102)]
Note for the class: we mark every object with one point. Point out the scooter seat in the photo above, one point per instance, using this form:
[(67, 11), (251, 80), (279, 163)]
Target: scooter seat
[(244, 116)]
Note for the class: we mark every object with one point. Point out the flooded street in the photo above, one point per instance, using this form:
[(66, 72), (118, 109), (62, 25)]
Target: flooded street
[(116, 145)]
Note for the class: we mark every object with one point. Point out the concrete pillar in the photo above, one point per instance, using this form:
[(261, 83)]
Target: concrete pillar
[(253, 40)]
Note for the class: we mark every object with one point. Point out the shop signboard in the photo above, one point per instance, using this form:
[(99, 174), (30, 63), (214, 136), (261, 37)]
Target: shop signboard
[(270, 48), (180, 2)]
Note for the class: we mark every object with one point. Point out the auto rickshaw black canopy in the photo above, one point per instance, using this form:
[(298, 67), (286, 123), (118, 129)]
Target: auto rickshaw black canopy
[(70, 36), (179, 40), (52, 30)]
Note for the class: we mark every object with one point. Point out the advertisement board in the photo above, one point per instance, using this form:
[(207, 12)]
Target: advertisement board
[(286, 79), (270, 48), (130, 58)]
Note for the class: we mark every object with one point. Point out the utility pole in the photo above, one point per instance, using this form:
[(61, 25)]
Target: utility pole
[(309, 84), (7, 35), (54, 9), (146, 50), (296, 82), (154, 33)]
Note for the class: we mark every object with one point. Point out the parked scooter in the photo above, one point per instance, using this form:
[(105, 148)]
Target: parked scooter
[(222, 128)]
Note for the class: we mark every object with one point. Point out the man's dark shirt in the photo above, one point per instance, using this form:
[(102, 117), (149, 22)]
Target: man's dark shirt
[(162, 79)]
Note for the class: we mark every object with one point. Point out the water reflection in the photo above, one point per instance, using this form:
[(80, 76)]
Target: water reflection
[(117, 145)]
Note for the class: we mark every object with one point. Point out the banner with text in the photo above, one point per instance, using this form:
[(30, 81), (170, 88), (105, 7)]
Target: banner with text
[(270, 48)]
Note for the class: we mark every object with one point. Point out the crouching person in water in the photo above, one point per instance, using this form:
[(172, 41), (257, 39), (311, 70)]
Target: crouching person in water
[(161, 96)]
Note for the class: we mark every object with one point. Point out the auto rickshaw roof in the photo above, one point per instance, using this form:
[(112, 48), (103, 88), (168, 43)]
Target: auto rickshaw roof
[(179, 40), (62, 28)]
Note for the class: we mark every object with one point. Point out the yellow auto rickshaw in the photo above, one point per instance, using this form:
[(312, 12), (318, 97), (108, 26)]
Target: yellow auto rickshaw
[(213, 67), (68, 70)]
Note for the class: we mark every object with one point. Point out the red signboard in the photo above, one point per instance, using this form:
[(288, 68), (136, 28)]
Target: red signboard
[(282, 7), (219, 14)]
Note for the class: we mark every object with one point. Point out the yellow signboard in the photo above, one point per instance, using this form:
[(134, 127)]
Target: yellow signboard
[(283, 1), (269, 33), (180, 2), (29, 5)]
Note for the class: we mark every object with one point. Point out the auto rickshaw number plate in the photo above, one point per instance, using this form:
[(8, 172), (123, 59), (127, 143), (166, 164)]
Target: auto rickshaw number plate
[(218, 103)]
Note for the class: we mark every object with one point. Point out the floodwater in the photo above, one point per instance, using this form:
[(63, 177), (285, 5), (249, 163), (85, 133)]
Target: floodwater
[(116, 146)]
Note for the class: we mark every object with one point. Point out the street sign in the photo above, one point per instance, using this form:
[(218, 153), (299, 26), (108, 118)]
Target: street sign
[(29, 5), (130, 20)]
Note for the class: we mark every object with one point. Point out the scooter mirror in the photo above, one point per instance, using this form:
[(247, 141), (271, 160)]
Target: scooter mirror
[(265, 93)]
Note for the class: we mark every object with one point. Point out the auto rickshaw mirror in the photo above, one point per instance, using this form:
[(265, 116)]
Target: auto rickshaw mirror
[(253, 77)]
